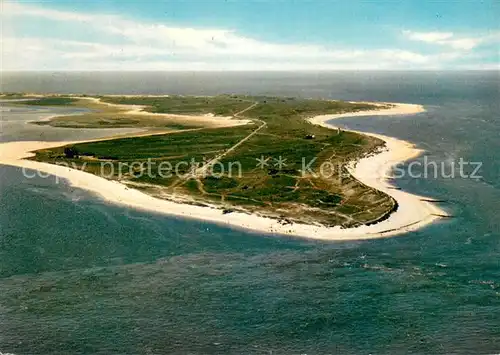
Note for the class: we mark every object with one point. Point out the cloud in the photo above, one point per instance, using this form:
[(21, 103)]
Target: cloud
[(449, 39), (125, 44), (430, 37), (10, 8)]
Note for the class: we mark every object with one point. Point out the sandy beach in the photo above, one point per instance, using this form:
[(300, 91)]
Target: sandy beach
[(413, 212)]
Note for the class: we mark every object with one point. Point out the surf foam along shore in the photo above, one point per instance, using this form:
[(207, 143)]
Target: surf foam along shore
[(412, 213)]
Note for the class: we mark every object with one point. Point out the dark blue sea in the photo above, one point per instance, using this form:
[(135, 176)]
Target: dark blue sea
[(81, 276)]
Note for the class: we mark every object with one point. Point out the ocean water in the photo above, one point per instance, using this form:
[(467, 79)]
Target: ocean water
[(15, 125), (80, 276)]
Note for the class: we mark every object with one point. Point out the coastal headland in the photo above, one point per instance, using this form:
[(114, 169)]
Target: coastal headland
[(268, 164)]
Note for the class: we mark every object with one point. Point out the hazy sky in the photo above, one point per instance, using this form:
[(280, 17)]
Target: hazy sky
[(250, 35)]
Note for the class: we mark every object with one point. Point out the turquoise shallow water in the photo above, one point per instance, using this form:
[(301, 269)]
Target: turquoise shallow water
[(78, 275)]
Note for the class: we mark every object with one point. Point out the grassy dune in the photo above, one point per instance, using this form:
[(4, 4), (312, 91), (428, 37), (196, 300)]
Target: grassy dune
[(286, 191)]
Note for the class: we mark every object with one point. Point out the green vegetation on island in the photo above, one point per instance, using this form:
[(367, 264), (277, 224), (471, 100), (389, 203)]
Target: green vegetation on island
[(50, 101), (222, 105), (273, 166)]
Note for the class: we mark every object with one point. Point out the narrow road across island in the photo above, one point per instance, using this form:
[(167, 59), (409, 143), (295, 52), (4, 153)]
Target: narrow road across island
[(245, 109), (203, 169)]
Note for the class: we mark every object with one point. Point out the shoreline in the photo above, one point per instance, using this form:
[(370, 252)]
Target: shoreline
[(412, 213)]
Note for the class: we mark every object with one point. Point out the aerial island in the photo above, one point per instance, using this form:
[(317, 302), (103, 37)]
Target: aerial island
[(270, 164)]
